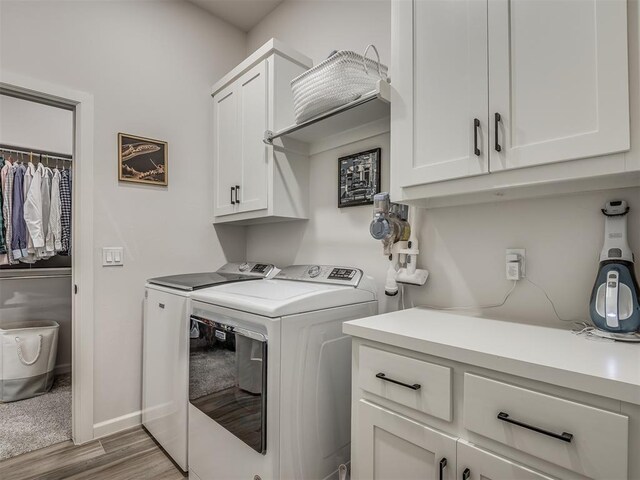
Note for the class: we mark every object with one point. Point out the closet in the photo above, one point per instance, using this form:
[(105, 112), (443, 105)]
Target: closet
[(36, 182)]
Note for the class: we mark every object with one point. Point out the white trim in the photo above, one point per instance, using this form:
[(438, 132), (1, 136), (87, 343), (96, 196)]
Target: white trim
[(272, 46), (82, 245), (118, 424)]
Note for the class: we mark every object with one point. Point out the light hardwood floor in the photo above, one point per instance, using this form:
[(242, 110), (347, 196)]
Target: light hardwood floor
[(129, 455)]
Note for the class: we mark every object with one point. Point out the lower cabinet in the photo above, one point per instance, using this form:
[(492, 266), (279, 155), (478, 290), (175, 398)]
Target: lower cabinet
[(477, 464), (390, 446)]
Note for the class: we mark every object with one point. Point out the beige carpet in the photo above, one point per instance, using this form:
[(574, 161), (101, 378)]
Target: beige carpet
[(37, 422)]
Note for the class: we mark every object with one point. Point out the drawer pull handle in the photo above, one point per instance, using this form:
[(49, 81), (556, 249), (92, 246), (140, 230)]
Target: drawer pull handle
[(443, 463), (466, 474), (564, 436), (497, 119), (382, 376), (476, 126)]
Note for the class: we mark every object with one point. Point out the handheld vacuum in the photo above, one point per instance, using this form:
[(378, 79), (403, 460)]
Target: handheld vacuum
[(614, 306)]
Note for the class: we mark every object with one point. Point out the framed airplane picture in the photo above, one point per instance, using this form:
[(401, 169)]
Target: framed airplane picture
[(142, 160)]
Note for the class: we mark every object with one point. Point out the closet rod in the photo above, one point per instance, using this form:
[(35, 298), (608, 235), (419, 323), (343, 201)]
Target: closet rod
[(29, 277), (42, 153)]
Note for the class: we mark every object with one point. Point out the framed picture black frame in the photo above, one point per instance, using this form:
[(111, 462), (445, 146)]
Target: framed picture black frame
[(142, 160), (359, 178)]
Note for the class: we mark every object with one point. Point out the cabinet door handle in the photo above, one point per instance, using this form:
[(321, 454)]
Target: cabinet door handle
[(496, 120), (443, 464), (237, 190), (476, 126), (564, 436), (466, 474), (232, 200), (382, 376)]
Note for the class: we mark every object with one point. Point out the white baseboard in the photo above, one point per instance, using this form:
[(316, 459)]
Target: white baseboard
[(117, 424)]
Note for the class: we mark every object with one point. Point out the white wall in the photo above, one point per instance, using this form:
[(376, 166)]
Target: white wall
[(317, 27), (462, 247), (150, 66), (33, 125)]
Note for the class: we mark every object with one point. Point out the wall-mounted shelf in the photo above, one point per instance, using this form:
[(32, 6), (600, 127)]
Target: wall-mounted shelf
[(368, 108)]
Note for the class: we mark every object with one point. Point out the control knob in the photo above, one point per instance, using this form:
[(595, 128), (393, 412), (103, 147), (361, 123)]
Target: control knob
[(314, 271)]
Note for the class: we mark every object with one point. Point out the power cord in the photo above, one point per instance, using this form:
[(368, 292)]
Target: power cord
[(576, 320), (471, 307), (579, 322)]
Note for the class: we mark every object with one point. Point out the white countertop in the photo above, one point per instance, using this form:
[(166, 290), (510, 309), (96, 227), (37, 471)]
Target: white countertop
[(555, 356)]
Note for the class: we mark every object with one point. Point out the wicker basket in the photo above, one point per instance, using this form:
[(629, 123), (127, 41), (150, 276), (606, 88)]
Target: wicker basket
[(340, 79)]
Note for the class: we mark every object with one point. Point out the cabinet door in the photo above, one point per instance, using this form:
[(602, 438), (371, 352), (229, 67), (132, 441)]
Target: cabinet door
[(252, 112), (389, 446), (440, 86), (226, 155), (558, 79), (477, 464)]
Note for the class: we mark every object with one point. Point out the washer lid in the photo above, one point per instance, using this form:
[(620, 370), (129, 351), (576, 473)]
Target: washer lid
[(195, 281), (231, 272), (277, 298)]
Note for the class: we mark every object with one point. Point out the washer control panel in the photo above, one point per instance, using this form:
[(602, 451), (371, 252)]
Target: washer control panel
[(331, 274), (247, 268)]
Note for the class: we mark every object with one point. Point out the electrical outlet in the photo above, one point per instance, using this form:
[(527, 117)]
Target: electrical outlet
[(515, 263)]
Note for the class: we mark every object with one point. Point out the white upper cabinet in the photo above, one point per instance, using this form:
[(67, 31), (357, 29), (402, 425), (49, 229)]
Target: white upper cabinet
[(558, 80), (481, 88), (254, 182), (252, 112), (226, 153), (439, 111)]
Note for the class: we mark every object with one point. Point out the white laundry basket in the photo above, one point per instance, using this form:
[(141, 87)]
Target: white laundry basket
[(27, 359), (343, 77)]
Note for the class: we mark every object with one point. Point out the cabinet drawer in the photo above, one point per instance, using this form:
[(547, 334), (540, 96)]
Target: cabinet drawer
[(581, 438), (420, 385)]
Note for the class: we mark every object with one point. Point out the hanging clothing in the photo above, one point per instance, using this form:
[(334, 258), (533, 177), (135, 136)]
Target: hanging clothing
[(26, 185), (45, 190), (3, 247), (19, 226), (6, 183), (65, 211), (54, 237), (34, 212)]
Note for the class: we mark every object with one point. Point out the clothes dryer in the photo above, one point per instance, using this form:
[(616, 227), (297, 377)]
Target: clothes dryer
[(270, 374)]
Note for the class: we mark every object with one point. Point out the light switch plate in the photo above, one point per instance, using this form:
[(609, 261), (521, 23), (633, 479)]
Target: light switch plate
[(112, 256)]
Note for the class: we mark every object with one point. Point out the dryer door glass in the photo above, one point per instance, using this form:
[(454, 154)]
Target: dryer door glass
[(228, 378)]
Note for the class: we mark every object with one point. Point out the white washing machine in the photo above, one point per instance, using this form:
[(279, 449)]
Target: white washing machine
[(165, 366), (270, 375)]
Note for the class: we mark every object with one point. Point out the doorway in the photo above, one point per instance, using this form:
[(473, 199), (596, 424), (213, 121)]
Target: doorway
[(77, 270), (36, 145)]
